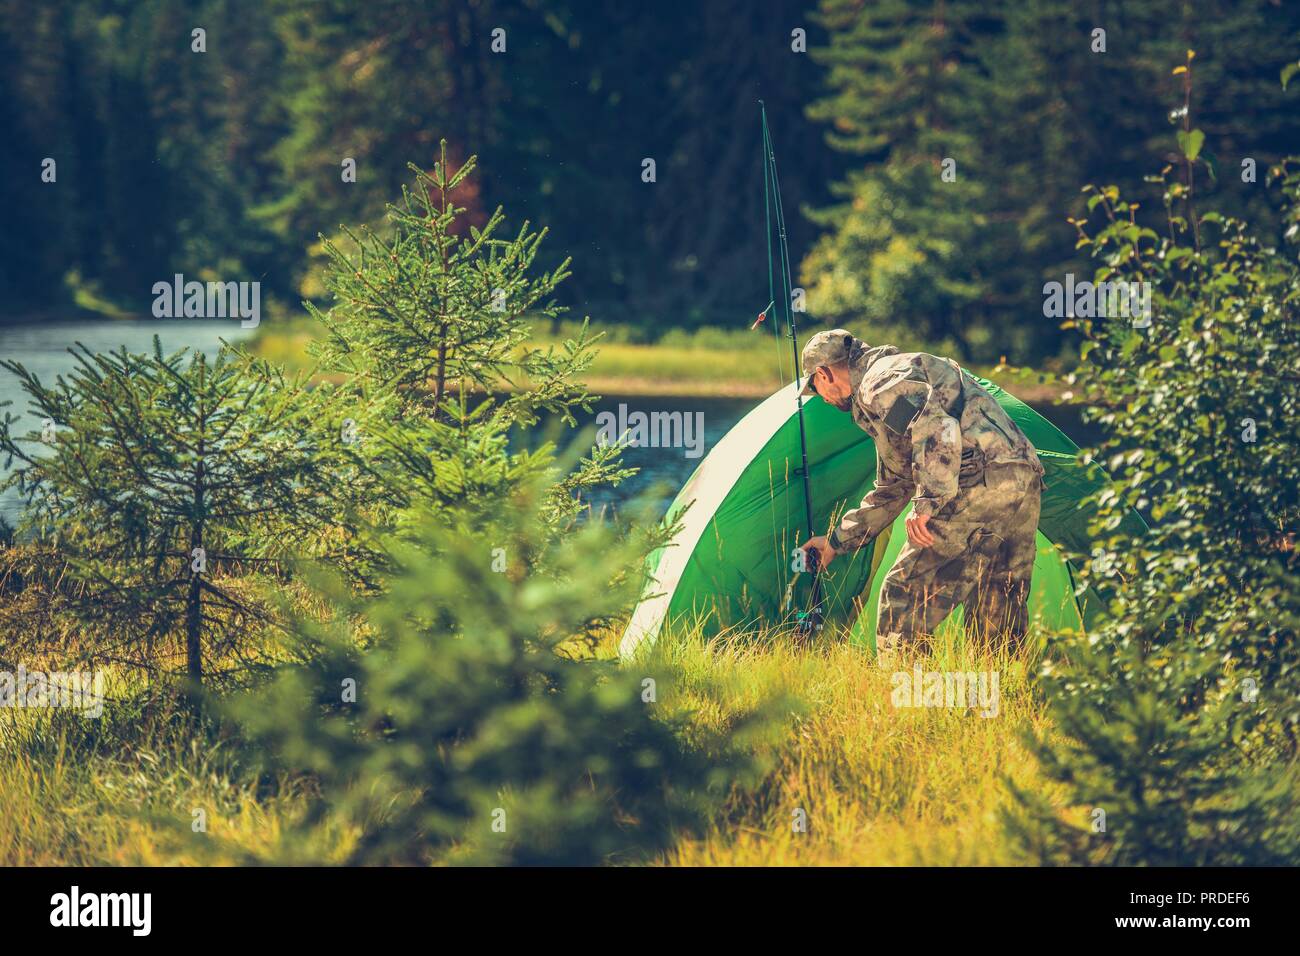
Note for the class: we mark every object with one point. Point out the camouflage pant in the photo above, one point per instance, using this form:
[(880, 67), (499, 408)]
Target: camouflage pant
[(982, 557)]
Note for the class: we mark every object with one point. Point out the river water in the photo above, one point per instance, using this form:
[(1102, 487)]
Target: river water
[(43, 349)]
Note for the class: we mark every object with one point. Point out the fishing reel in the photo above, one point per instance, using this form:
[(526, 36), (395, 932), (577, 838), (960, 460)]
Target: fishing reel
[(810, 621)]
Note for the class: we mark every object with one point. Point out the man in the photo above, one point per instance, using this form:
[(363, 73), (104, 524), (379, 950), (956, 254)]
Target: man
[(971, 475)]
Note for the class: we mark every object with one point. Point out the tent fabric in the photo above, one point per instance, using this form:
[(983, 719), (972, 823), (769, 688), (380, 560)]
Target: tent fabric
[(732, 561)]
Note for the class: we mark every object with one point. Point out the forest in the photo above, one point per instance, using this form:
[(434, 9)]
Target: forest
[(229, 164)]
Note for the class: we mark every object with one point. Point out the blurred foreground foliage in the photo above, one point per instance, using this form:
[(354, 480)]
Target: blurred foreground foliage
[(453, 719)]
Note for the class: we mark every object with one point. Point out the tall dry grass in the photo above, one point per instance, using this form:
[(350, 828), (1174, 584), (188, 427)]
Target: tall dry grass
[(877, 784)]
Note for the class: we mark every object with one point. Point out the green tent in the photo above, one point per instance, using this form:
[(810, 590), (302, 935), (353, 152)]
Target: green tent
[(732, 561)]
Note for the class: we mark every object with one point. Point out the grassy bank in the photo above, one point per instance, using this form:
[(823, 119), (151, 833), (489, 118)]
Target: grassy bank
[(879, 784), (709, 363)]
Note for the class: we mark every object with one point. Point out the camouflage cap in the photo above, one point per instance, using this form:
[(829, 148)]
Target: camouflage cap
[(825, 348)]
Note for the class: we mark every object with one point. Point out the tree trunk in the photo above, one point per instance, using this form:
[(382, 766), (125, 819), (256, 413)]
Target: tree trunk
[(194, 598), (193, 631)]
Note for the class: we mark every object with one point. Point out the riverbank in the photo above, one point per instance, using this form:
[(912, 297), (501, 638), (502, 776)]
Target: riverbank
[(659, 370), (707, 363), (704, 363)]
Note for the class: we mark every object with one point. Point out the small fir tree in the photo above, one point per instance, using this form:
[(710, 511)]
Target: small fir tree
[(159, 489), (430, 338), (445, 721)]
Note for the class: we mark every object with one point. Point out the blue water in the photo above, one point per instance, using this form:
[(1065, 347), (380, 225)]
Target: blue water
[(43, 349), (662, 471)]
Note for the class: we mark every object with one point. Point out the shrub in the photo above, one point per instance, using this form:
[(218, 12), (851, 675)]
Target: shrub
[(159, 489), (446, 720), (428, 339), (1177, 717)]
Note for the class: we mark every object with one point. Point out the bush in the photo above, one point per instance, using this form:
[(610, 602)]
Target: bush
[(430, 340), (446, 721), (1178, 716)]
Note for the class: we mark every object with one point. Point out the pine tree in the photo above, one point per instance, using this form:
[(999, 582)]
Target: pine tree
[(429, 337), (429, 309), (1029, 107), (160, 488), (910, 237)]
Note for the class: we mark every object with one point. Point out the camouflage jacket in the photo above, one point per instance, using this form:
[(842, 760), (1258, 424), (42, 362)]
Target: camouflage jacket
[(935, 431)]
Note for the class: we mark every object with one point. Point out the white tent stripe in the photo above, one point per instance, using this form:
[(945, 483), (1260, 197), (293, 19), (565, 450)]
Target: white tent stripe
[(707, 488)]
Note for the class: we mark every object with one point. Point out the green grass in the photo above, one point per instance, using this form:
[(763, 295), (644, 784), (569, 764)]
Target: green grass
[(880, 785), (709, 362), (127, 791)]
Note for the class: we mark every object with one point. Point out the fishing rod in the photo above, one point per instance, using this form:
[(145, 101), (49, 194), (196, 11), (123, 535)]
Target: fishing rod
[(808, 621)]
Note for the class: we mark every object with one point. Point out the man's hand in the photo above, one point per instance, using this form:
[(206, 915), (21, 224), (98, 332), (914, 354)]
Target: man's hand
[(917, 532), (822, 546)]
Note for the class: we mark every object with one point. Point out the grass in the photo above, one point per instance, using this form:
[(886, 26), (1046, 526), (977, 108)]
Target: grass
[(879, 785), (70, 800), (628, 369), (136, 787), (707, 363)]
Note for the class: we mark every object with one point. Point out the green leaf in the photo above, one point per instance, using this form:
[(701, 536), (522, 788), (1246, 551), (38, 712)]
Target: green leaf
[(1211, 164), (1190, 141)]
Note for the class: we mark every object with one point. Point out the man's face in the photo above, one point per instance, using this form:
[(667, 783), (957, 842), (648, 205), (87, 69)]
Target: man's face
[(832, 385)]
